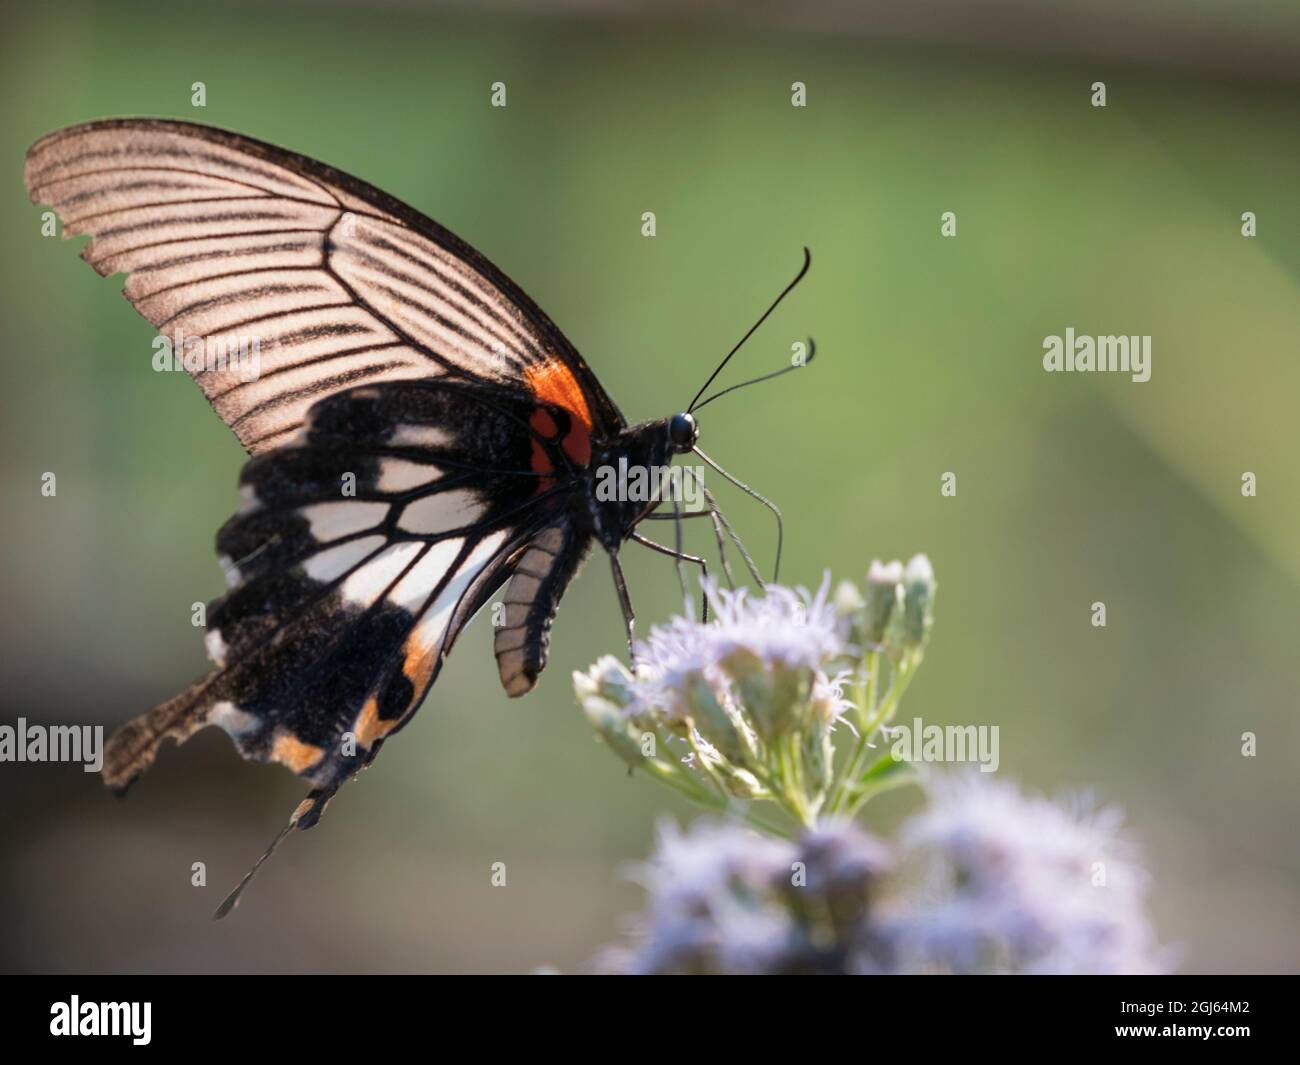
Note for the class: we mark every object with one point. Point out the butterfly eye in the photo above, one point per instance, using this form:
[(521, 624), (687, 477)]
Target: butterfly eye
[(683, 432)]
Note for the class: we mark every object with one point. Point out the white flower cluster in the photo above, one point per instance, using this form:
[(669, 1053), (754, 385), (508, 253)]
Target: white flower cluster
[(739, 708), (743, 707)]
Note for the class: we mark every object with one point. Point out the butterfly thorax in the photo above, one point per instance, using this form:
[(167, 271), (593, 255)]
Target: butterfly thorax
[(627, 478)]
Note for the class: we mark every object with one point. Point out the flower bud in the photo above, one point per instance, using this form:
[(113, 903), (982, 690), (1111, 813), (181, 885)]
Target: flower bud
[(771, 693), (849, 605), (919, 586), (818, 753), (597, 690), (847, 600), (882, 599), (618, 731), (742, 784), (711, 719), (608, 678)]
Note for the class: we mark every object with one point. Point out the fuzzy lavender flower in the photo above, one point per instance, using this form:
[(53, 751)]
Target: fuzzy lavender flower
[(740, 708), (1003, 882), (771, 649), (983, 880), (714, 905), (745, 707), (723, 899)]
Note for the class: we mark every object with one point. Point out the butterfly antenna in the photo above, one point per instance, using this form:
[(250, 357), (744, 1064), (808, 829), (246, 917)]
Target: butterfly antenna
[(776, 511), (812, 353), (715, 516), (807, 262), (717, 519)]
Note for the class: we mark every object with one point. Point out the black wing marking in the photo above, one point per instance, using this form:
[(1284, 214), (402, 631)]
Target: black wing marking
[(227, 241)]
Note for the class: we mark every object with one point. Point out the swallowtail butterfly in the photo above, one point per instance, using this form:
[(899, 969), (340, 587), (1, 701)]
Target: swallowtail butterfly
[(392, 359)]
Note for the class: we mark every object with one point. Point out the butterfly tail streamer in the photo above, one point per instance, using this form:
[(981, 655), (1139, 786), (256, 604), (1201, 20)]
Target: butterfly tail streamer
[(304, 816), (133, 747)]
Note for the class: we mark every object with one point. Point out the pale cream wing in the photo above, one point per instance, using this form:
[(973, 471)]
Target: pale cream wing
[(279, 280)]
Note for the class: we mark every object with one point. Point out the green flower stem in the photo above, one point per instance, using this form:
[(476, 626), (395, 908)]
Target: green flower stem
[(807, 801), (681, 782), (685, 783), (865, 691), (897, 686), (764, 825), (870, 695), (899, 680), (790, 794), (777, 791), (860, 794), (706, 768)]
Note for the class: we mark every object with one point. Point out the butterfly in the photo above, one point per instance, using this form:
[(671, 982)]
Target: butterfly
[(421, 436)]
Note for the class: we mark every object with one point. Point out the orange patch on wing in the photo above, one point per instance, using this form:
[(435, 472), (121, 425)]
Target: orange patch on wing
[(418, 664), (553, 382), (369, 727), (291, 751)]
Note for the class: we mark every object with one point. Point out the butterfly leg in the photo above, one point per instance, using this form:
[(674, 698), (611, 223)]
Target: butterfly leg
[(714, 514), (681, 557), (625, 602), (719, 521), (776, 512)]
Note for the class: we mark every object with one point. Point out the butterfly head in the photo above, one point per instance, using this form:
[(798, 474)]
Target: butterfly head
[(683, 433)]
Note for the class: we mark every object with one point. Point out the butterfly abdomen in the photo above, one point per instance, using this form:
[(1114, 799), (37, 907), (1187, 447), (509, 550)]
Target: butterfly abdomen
[(544, 569)]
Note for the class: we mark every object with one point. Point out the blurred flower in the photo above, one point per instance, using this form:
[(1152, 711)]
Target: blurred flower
[(1005, 882), (723, 899), (983, 880), (714, 904)]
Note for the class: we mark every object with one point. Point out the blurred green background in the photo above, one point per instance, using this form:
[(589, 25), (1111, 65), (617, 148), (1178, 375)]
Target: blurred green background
[(1071, 489)]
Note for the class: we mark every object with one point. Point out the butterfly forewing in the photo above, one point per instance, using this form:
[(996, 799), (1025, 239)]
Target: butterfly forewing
[(319, 280)]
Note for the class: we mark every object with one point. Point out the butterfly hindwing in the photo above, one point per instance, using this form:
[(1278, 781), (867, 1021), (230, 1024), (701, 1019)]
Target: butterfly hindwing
[(357, 556)]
